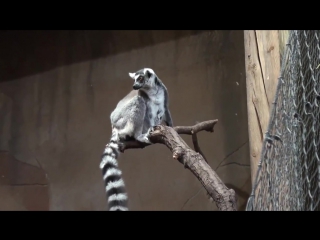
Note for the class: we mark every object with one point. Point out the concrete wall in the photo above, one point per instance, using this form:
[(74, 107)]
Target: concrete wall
[(58, 89)]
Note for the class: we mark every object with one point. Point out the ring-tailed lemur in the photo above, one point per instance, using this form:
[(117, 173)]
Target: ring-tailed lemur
[(144, 107)]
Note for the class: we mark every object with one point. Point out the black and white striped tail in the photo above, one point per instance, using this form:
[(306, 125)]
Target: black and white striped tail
[(115, 188)]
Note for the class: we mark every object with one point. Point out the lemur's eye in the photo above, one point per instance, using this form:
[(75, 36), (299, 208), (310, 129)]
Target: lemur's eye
[(140, 79)]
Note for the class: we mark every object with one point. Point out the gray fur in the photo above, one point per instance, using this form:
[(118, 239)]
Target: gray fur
[(142, 108)]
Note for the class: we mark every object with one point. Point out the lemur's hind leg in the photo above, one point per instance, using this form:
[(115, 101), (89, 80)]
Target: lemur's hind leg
[(142, 137), (127, 132)]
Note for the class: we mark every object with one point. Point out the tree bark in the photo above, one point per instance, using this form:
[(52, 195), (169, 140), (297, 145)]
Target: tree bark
[(224, 197)]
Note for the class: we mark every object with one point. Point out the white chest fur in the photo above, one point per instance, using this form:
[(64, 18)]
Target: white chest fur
[(156, 108)]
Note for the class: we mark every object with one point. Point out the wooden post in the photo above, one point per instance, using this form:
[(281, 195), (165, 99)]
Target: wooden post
[(283, 39), (262, 60)]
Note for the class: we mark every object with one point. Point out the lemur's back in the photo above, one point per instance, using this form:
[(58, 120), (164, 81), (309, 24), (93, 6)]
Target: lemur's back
[(129, 97)]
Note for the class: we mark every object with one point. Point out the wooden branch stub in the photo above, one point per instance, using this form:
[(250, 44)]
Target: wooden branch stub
[(202, 126), (177, 154)]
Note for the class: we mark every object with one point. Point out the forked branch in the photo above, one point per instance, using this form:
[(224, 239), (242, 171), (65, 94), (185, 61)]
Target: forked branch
[(224, 197)]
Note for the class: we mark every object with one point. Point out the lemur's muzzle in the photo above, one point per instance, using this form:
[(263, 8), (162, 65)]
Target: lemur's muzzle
[(136, 86)]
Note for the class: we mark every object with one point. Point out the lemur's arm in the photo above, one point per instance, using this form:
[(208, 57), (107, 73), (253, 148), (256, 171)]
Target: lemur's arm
[(167, 114), (168, 118)]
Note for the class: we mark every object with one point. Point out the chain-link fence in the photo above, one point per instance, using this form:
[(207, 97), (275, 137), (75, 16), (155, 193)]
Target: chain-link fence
[(288, 175)]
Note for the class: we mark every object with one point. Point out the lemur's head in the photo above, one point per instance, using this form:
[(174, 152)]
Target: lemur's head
[(143, 78)]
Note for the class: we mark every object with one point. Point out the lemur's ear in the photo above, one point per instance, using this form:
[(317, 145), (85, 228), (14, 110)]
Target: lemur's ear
[(131, 75), (149, 74)]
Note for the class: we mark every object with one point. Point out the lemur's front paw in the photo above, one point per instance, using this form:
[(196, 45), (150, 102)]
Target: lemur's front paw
[(146, 140), (149, 132)]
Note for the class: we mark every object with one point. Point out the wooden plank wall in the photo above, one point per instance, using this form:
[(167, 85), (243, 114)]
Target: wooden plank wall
[(263, 50)]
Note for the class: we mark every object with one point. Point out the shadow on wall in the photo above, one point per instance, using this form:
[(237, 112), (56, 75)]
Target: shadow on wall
[(33, 52)]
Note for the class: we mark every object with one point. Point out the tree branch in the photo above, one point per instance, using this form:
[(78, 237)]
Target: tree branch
[(202, 126), (189, 130), (224, 197)]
